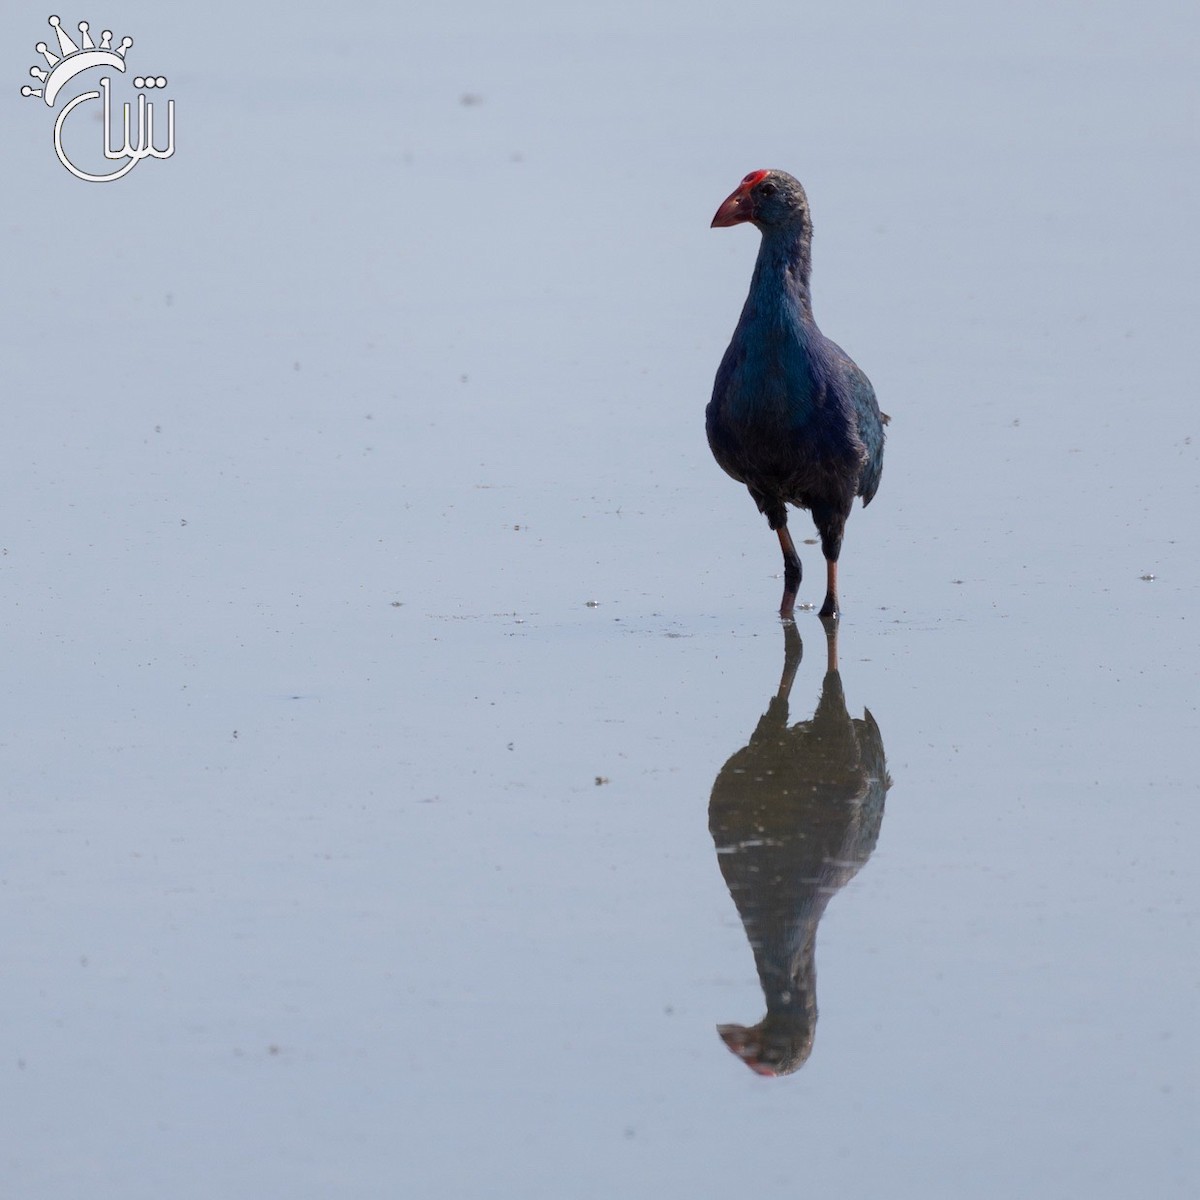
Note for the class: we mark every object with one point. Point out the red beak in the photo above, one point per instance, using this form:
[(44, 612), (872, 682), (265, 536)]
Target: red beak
[(736, 209)]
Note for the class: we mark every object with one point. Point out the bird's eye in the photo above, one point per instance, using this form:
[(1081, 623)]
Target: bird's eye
[(766, 189)]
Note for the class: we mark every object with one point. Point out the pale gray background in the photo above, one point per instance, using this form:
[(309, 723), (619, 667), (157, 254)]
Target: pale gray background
[(318, 439)]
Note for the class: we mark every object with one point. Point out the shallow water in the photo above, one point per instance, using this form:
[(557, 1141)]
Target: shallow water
[(379, 630)]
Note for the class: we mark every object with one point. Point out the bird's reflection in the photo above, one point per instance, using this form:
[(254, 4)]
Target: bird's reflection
[(794, 815)]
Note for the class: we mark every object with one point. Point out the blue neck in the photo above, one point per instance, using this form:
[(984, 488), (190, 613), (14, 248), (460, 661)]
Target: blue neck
[(782, 271), (782, 364)]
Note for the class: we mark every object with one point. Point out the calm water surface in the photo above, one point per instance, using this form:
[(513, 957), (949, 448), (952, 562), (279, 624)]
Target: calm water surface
[(410, 789)]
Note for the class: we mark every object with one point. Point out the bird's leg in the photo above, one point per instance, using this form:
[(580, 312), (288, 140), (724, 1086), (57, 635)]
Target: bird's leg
[(830, 523), (829, 610), (791, 573)]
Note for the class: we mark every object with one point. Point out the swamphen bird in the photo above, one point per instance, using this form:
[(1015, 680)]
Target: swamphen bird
[(792, 416)]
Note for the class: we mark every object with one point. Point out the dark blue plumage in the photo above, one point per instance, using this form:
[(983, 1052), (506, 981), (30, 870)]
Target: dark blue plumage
[(792, 416)]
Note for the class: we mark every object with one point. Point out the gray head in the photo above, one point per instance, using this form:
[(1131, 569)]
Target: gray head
[(768, 199)]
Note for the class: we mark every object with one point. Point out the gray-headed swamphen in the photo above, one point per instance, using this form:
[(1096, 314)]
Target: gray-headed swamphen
[(792, 416)]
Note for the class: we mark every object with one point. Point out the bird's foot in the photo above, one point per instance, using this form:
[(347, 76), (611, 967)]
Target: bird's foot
[(787, 606), (829, 610)]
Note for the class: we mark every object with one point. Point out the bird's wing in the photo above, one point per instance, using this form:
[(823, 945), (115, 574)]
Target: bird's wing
[(870, 429), (869, 421)]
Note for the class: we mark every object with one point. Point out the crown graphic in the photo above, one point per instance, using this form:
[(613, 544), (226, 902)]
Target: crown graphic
[(72, 58)]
